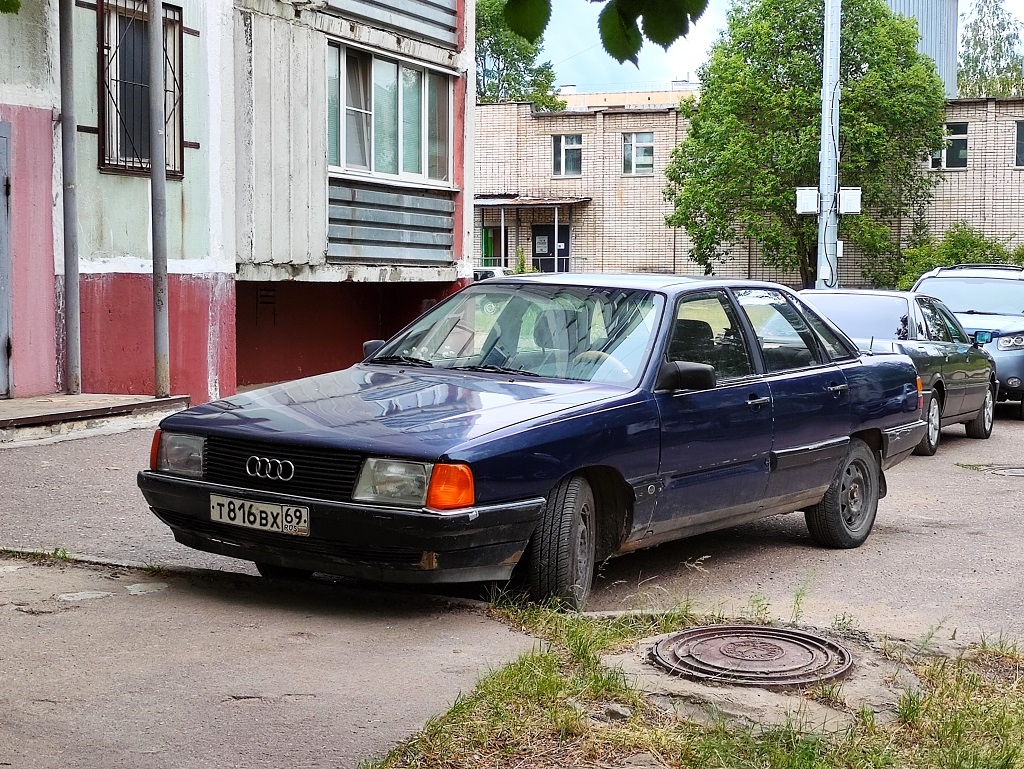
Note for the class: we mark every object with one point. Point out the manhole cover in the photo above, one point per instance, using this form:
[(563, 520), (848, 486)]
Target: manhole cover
[(752, 655), (1013, 471)]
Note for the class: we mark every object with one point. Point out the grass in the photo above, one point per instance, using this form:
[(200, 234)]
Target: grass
[(59, 554), (546, 710)]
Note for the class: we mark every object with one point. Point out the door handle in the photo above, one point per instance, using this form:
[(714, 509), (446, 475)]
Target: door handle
[(755, 402), (837, 389)]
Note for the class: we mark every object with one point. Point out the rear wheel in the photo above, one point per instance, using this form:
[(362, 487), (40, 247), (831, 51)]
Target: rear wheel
[(560, 557), (930, 442), (981, 425), (843, 519), (273, 571)]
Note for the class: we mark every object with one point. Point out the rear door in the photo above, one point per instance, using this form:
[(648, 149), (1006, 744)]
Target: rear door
[(953, 357), (810, 398)]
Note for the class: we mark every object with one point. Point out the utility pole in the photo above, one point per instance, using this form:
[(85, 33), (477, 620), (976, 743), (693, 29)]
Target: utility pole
[(158, 197), (69, 172), (828, 186)]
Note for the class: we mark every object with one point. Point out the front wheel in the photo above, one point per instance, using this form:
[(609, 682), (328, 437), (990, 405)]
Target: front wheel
[(981, 425), (844, 517), (560, 557), (930, 442)]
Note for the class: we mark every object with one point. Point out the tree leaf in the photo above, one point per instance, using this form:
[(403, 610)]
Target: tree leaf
[(528, 18), (10, 6), (620, 34), (665, 21)]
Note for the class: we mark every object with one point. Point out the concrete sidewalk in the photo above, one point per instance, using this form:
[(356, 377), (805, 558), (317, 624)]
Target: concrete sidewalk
[(111, 667)]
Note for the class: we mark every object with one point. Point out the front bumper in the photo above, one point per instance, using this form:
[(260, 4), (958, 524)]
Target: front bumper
[(362, 541), (1009, 365)]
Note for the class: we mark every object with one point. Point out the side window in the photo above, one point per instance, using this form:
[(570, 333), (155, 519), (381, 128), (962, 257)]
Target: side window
[(830, 342), (706, 331), (956, 331), (933, 322), (786, 341)]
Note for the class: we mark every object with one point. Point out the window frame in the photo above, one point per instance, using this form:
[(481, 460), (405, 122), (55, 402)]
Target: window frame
[(112, 158), (630, 138), (563, 147), (1019, 145), (425, 72), (941, 159)]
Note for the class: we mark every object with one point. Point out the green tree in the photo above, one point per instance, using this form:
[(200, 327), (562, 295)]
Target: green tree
[(754, 135), (962, 244), (623, 24), (10, 6), (506, 68), (991, 62)]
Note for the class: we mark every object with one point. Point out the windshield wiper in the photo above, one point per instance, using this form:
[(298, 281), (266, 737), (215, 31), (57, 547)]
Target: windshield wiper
[(494, 370), (986, 312), (402, 359)]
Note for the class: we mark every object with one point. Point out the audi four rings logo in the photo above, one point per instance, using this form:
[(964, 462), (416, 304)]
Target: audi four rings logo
[(274, 469)]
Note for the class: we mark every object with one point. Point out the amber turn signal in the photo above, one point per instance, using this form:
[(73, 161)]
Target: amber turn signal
[(154, 450), (920, 394), (451, 487)]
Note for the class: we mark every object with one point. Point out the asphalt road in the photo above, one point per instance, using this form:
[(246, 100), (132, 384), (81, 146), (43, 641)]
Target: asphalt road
[(213, 666)]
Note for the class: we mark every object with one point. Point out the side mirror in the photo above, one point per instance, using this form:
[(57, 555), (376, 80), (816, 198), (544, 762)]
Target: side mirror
[(369, 348), (982, 337), (684, 375)]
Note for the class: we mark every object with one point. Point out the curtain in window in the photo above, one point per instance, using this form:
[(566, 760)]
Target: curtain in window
[(438, 110), (334, 105), (412, 121), (385, 116), (357, 110), (627, 153)]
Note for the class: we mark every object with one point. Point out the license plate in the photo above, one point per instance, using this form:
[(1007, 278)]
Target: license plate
[(264, 516)]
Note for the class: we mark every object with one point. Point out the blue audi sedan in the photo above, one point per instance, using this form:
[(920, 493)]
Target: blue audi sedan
[(530, 426)]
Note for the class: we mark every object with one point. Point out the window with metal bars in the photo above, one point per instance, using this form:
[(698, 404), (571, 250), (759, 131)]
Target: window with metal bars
[(124, 87)]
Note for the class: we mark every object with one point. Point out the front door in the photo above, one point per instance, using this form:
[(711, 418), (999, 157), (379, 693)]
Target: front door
[(951, 356), (5, 260), (544, 248)]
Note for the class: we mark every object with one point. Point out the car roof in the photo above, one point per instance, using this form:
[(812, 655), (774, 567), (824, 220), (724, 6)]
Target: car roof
[(863, 292), (1004, 271), (669, 283)]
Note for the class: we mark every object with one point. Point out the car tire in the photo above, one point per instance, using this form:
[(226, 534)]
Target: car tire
[(273, 571), (844, 517), (981, 425), (933, 434), (560, 556)]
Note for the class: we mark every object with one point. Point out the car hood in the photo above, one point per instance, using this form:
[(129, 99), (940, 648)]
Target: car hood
[(999, 324), (390, 410)]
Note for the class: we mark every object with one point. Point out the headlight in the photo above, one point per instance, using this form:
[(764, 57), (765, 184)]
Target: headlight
[(178, 454), (1010, 342), (393, 481)]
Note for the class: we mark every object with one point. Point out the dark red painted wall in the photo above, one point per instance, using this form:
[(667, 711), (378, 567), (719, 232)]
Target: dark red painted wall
[(288, 329), (117, 334)]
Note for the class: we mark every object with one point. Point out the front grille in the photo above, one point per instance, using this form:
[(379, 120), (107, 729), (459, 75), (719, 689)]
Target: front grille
[(320, 473), (312, 546)]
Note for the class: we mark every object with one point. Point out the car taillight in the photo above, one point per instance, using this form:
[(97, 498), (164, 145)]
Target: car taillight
[(154, 450)]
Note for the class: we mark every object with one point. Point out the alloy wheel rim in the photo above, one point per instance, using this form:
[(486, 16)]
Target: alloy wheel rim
[(934, 422), (990, 410)]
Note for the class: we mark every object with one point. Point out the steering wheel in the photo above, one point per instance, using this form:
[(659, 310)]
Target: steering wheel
[(588, 362)]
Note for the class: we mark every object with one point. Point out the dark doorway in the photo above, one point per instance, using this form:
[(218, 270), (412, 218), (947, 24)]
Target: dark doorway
[(544, 248)]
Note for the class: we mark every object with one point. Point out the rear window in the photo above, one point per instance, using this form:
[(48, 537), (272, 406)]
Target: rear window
[(864, 316)]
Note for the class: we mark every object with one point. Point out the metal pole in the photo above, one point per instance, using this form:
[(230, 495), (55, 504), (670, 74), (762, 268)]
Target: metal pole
[(556, 239), (828, 218), (158, 197), (69, 170), (504, 256)]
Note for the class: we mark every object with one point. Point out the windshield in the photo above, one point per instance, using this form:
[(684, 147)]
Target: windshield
[(999, 297), (565, 332), (864, 316)]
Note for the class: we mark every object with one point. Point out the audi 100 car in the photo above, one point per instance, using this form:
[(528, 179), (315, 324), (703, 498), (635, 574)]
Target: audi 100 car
[(529, 426), (958, 374)]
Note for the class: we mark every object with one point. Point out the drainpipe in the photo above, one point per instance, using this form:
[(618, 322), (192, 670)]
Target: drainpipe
[(158, 197), (69, 163)]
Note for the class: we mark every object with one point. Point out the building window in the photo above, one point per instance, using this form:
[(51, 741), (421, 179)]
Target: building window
[(638, 153), (568, 155), (386, 117), (955, 154), (490, 248), (124, 87), (1020, 144)]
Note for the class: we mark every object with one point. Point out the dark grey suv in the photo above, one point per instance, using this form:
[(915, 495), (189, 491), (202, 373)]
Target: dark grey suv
[(988, 297)]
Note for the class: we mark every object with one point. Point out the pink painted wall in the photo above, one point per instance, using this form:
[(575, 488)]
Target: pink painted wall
[(117, 334), (33, 322)]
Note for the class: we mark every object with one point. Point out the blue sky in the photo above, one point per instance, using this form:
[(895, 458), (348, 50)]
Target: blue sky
[(573, 47)]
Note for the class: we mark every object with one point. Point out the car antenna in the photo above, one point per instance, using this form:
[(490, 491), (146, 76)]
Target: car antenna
[(871, 346)]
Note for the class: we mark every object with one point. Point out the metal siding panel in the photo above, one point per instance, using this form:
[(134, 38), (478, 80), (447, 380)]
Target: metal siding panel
[(398, 218), (299, 121), (280, 186), (339, 252), (316, 166), (392, 235), (244, 137), (374, 197), (436, 21), (263, 136)]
